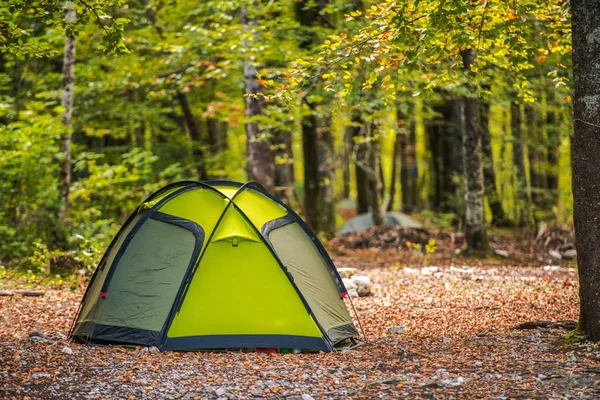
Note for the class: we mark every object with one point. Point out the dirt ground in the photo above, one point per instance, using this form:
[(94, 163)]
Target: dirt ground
[(455, 317)]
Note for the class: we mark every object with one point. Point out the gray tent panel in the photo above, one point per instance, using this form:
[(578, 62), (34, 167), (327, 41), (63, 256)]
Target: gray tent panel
[(145, 283), (311, 274)]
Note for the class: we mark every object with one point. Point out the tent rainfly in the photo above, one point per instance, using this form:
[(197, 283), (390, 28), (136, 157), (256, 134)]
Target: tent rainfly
[(215, 265)]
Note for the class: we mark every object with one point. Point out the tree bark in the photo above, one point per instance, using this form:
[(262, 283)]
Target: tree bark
[(284, 158), (360, 157), (373, 163), (68, 81), (327, 177), (194, 132), (258, 147), (586, 163), (475, 232), (489, 172), (311, 170)]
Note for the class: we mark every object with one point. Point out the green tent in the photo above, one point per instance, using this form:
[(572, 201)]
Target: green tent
[(206, 265)]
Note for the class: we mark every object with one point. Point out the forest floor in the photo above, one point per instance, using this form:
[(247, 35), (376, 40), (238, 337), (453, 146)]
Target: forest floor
[(457, 341)]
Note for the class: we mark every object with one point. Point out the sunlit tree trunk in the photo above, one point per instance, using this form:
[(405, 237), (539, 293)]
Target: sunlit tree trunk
[(68, 80), (346, 160), (586, 163), (475, 232), (258, 147), (400, 130)]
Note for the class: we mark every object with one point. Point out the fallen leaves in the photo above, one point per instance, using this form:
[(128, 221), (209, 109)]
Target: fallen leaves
[(451, 337)]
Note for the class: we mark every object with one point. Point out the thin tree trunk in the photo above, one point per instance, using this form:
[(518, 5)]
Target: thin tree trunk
[(327, 176), (409, 170), (475, 232), (284, 165), (258, 147), (373, 162), (311, 170), (522, 205), (489, 172), (194, 132), (346, 160), (360, 157), (586, 163), (400, 128), (68, 81)]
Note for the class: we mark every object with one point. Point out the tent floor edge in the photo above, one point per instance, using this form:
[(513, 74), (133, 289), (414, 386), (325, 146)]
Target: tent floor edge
[(245, 341)]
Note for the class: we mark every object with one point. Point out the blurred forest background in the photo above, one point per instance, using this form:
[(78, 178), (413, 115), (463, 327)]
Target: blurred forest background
[(338, 107)]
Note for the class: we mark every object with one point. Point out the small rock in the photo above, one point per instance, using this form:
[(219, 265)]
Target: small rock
[(569, 254), (395, 330), (67, 350), (220, 392), (478, 363), (256, 393), (349, 283), (501, 253), (352, 293), (38, 337), (446, 339), (151, 349), (307, 397), (346, 272), (40, 376), (554, 254), (429, 270)]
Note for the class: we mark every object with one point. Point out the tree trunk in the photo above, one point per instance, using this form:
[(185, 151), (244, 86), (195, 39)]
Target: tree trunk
[(194, 132), (311, 170), (409, 170), (475, 233), (327, 176), (360, 158), (586, 163), (258, 148), (522, 206), (284, 158), (400, 130), (346, 160), (373, 163), (68, 81), (489, 172)]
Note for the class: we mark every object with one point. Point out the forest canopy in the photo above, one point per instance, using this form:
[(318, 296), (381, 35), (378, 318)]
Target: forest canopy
[(325, 103)]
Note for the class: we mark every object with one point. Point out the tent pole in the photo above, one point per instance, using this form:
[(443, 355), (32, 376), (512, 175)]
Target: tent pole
[(358, 319)]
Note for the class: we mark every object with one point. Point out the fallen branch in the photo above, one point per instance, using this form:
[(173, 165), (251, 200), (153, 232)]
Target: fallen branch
[(568, 325), (28, 293), (388, 381)]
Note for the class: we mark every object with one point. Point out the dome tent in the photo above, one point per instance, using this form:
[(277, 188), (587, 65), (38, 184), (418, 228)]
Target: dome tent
[(205, 265)]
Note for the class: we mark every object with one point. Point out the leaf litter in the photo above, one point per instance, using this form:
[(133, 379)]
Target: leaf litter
[(437, 326)]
